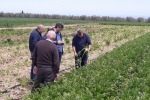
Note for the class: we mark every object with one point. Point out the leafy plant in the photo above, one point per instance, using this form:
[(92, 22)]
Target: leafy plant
[(120, 74), (67, 41)]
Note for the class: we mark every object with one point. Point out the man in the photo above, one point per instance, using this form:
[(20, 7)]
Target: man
[(35, 36), (46, 60), (58, 41), (79, 43), (49, 29)]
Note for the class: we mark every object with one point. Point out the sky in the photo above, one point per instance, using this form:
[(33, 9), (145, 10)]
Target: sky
[(112, 8)]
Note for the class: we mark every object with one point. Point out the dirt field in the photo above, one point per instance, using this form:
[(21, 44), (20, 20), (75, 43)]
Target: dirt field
[(15, 62)]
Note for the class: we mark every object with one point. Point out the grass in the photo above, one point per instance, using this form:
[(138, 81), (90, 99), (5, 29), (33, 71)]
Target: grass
[(120, 74), (124, 23), (15, 53), (29, 22), (21, 22)]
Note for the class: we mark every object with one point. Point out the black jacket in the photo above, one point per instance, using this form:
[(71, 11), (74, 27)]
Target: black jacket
[(35, 36)]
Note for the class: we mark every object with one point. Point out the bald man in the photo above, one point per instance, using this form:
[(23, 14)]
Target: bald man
[(35, 36), (46, 60)]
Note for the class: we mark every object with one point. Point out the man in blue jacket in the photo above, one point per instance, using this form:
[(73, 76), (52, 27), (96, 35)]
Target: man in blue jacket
[(35, 36), (58, 41)]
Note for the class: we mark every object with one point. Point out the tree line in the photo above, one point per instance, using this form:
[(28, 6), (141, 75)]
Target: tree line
[(72, 17)]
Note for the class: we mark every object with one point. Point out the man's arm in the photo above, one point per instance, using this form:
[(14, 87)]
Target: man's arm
[(74, 50), (34, 56), (56, 60), (34, 59), (35, 39), (89, 47), (89, 42), (58, 42), (73, 46)]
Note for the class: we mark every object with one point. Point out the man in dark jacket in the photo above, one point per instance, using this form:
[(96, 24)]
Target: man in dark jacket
[(46, 60), (35, 36), (80, 41)]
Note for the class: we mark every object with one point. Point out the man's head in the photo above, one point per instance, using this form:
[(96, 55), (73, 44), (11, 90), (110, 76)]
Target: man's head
[(40, 28), (59, 27), (51, 35), (80, 33)]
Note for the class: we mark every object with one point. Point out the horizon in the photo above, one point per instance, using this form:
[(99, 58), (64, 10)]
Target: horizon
[(77, 15), (115, 8)]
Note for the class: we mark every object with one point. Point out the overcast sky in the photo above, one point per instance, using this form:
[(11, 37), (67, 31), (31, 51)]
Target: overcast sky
[(112, 8)]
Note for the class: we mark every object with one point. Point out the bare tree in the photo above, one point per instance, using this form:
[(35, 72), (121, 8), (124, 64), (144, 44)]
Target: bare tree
[(83, 17), (148, 20), (2, 14), (130, 19), (105, 18), (140, 19)]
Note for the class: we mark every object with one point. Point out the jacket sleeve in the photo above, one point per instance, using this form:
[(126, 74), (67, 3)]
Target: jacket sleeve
[(73, 41), (88, 40), (34, 56), (56, 59), (35, 39)]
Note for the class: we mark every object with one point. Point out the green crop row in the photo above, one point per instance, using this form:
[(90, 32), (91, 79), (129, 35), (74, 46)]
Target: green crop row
[(11, 32), (122, 74), (124, 23), (22, 22)]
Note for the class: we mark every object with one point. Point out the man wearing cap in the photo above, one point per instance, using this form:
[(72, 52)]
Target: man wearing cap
[(58, 41), (80, 41), (35, 36)]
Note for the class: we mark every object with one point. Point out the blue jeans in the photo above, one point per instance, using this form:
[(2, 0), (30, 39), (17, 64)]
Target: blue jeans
[(60, 56), (32, 75)]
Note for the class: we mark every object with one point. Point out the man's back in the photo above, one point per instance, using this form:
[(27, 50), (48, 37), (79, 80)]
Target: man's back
[(46, 54), (35, 36)]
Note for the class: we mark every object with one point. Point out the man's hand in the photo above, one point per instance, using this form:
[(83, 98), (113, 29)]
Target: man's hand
[(60, 42), (86, 49), (75, 54), (34, 69), (57, 75)]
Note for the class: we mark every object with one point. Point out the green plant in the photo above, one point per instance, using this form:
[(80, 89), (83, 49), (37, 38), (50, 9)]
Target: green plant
[(107, 42), (125, 70), (67, 41), (23, 83)]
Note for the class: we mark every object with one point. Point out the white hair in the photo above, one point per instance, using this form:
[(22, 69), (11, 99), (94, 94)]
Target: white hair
[(40, 27), (51, 34)]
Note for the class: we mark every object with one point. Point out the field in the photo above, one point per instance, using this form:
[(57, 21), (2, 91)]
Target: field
[(112, 74)]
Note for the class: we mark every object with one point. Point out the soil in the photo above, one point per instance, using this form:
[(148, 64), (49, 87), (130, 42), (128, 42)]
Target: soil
[(22, 73)]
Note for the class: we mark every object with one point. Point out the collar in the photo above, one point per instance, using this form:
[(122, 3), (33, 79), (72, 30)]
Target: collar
[(38, 32), (49, 40), (58, 33)]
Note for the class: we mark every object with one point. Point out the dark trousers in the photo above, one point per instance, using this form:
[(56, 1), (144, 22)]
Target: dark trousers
[(32, 75), (60, 56), (83, 56), (43, 76)]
